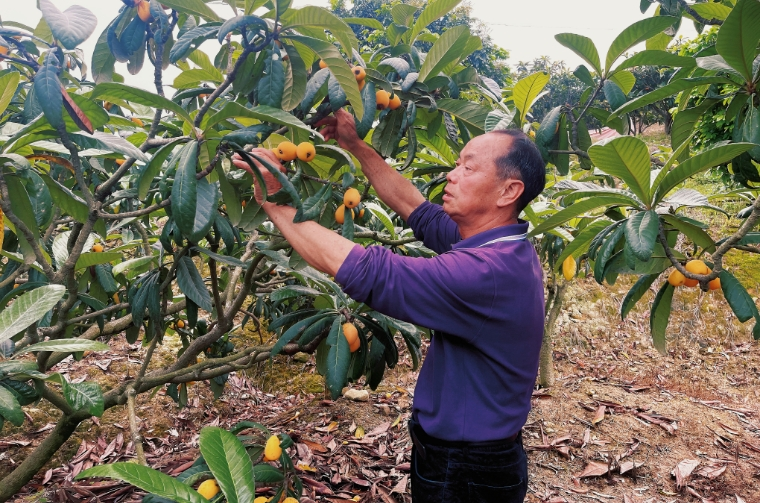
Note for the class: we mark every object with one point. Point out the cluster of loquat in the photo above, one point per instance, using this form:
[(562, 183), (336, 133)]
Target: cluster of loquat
[(676, 278)]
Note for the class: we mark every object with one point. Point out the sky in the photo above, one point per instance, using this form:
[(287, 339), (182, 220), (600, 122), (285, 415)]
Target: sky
[(526, 28)]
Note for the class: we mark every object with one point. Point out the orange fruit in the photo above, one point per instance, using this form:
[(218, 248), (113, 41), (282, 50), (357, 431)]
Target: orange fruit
[(97, 248), (143, 11), (322, 64), (276, 152), (208, 488), (3, 50), (354, 346), (306, 151), (180, 324), (350, 333), (136, 120), (243, 203), (361, 84), (272, 449), (340, 214), (359, 73), (361, 213), (714, 284), (119, 162), (289, 499), (261, 499), (352, 198), (383, 99), (394, 102), (697, 267), (107, 105), (676, 278), (287, 151)]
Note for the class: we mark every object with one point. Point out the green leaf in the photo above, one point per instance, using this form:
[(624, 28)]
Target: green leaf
[(65, 346), (238, 22), (191, 284), (109, 142), (739, 35), (385, 138), (147, 479), (8, 85), (627, 158), (659, 317), (230, 464), (338, 359), (434, 10), (334, 60), (116, 91), (10, 409), (583, 47), (705, 160), (47, 89), (154, 168), (131, 264), (403, 14), (581, 242), (737, 297), (471, 113), (657, 58), (267, 474), (318, 17), (697, 235), (67, 201), (527, 90), (684, 123), (262, 113), (85, 396), (70, 27), (295, 79), (383, 217), (185, 189), (449, 47), (190, 79), (613, 94), (577, 209), (234, 209), (28, 308), (636, 292), (548, 129), (272, 82), (197, 7), (94, 258), (635, 34), (641, 232), (294, 331), (192, 39), (365, 21), (625, 79), (207, 196), (668, 90), (711, 10)]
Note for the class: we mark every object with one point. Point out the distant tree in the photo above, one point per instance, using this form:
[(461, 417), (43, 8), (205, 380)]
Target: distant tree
[(649, 78), (563, 86)]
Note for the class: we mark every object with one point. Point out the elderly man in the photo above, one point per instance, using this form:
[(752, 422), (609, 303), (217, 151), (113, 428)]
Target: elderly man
[(482, 296)]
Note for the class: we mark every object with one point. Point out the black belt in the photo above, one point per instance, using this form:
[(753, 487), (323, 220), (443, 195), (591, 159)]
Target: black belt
[(420, 438)]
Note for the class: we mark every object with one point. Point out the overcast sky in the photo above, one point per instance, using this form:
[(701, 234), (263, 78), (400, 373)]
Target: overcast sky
[(525, 28)]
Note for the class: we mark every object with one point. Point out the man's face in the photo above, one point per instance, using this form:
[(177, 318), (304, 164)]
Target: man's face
[(474, 187)]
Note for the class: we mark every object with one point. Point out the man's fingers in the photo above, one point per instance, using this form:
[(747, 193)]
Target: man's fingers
[(327, 121)]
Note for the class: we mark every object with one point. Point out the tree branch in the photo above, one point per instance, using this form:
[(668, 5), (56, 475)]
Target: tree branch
[(697, 17)]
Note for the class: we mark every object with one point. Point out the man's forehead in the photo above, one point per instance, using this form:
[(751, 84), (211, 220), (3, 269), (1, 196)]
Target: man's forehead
[(489, 144)]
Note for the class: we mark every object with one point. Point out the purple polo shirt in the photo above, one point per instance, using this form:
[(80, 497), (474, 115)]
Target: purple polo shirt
[(485, 302)]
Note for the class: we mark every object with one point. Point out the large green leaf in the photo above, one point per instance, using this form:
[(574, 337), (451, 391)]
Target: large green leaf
[(70, 27), (705, 160), (334, 60), (116, 91), (10, 409), (147, 479), (67, 201), (130, 264), (95, 258), (66, 346), (669, 90), (319, 17), (577, 209), (636, 292), (338, 359), (262, 113), (739, 35), (191, 284), (581, 242), (613, 94), (627, 158), (472, 114), (207, 195), (238, 22), (230, 464), (635, 34), (29, 308), (295, 79), (434, 10), (47, 90), (197, 7), (527, 90), (684, 123), (657, 58), (583, 47), (193, 78), (8, 85), (641, 231), (660, 315), (154, 168), (625, 79), (449, 47), (84, 396), (697, 235), (185, 189), (737, 297), (711, 10)]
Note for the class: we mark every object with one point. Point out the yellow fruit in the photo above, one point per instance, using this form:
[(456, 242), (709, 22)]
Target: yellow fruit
[(136, 120), (675, 278), (143, 11), (261, 499), (272, 449), (107, 105), (322, 64), (352, 198), (306, 151), (361, 84), (359, 73), (361, 213), (97, 248), (289, 499), (119, 162), (714, 284), (695, 267), (350, 332), (532, 134), (287, 151), (115, 210), (394, 102), (354, 346), (3, 50), (340, 214), (276, 152), (180, 324), (569, 268), (383, 99), (208, 489)]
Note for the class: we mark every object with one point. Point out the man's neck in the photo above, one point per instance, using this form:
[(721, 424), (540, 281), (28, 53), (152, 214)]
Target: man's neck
[(469, 229)]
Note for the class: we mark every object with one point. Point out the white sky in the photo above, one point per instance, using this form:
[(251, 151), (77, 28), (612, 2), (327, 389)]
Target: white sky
[(525, 29)]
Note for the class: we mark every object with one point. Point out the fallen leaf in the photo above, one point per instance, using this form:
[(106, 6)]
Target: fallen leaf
[(627, 466), (359, 433), (683, 470), (711, 471), (599, 415), (594, 469)]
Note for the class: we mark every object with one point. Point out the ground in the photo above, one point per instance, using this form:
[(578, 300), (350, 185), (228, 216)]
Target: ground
[(622, 423)]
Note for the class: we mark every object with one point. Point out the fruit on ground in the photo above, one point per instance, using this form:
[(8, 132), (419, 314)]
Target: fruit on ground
[(287, 151), (695, 267), (352, 198), (675, 278), (272, 449), (350, 333), (569, 268), (394, 102), (208, 488), (714, 284), (136, 120), (306, 151), (143, 11), (359, 73), (97, 248), (322, 64), (382, 98), (340, 214)]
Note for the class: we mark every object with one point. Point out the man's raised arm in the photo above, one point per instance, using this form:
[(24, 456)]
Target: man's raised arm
[(395, 190)]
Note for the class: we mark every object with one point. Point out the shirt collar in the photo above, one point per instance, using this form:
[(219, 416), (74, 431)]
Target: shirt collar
[(521, 227)]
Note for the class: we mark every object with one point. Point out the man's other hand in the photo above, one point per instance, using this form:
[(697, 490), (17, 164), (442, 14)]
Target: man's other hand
[(271, 182), (341, 128)]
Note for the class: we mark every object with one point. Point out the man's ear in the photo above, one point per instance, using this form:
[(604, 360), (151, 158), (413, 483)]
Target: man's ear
[(511, 191)]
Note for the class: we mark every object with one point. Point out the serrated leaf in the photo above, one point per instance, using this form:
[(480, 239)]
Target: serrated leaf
[(527, 90), (185, 189), (295, 79), (627, 158), (229, 462), (641, 232), (739, 35), (147, 479), (635, 34), (191, 284), (449, 47), (29, 308)]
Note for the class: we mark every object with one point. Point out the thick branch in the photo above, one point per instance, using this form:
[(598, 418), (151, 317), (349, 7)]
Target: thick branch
[(386, 240), (697, 17)]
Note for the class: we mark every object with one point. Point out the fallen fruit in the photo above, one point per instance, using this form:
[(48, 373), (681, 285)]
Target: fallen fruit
[(208, 488), (272, 449), (352, 198), (359, 73), (287, 151), (382, 98), (675, 278), (394, 102), (306, 151)]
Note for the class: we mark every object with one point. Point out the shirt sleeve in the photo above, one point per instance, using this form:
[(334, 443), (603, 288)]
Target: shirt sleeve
[(453, 293), (434, 227)]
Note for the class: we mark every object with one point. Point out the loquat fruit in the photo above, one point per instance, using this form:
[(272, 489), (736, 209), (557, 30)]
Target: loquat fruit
[(394, 102), (137, 121), (97, 248), (322, 64), (306, 151), (119, 162), (359, 73), (695, 267), (352, 198), (208, 488), (569, 268), (675, 278), (272, 449), (350, 333), (361, 84), (340, 214), (143, 11), (714, 284), (382, 98), (287, 151)]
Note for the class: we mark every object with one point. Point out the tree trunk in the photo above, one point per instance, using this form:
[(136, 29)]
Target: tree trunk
[(546, 362), (24, 472)]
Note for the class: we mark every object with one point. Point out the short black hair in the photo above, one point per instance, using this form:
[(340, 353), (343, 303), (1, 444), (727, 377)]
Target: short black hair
[(523, 162)]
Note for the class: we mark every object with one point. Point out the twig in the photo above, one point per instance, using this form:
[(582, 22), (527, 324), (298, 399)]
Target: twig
[(137, 439), (386, 240)]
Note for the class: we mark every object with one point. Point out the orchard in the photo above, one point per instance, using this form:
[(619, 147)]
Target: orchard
[(124, 217)]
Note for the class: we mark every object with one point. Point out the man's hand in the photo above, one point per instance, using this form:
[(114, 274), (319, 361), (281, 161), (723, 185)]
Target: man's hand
[(272, 184), (341, 128)]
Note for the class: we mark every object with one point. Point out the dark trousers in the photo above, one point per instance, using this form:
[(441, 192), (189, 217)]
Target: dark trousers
[(458, 472)]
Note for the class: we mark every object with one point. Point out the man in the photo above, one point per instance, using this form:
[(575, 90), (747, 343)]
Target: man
[(482, 296)]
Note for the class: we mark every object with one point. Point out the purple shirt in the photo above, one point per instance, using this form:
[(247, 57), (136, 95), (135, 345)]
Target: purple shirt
[(485, 302)]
